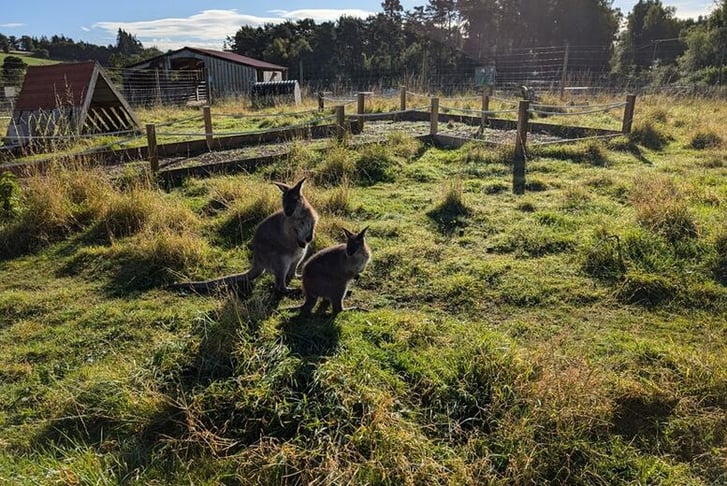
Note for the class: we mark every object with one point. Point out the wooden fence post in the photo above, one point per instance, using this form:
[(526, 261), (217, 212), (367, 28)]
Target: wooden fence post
[(434, 116), (628, 114), (340, 122), (151, 142), (208, 135), (485, 105), (321, 102), (518, 169), (361, 97), (402, 98), (564, 72)]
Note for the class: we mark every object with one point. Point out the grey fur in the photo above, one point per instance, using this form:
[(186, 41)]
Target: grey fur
[(329, 272), (278, 245)]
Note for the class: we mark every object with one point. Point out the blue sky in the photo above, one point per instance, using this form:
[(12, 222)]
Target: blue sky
[(173, 24)]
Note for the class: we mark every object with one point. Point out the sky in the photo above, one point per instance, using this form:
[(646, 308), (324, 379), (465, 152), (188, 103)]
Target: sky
[(178, 23)]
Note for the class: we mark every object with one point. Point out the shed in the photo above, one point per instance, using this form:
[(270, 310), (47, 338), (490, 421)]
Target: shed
[(192, 74), (68, 99)]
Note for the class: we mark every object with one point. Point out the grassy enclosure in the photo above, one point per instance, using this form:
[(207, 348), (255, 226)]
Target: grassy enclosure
[(576, 334)]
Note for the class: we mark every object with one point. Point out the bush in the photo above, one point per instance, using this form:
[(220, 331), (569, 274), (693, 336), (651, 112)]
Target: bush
[(375, 164), (661, 207), (338, 165), (719, 264), (451, 212), (647, 289), (649, 136), (54, 206), (603, 259), (9, 197), (705, 140)]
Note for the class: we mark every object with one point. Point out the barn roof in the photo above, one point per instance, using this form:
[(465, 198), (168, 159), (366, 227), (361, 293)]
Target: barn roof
[(224, 55), (77, 96), (48, 87)]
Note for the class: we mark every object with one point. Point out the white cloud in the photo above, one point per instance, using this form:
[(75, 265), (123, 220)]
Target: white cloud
[(692, 9), (209, 28), (322, 14), (12, 25)]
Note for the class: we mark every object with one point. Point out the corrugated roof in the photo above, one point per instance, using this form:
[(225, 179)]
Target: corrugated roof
[(237, 58), (49, 87), (227, 56)]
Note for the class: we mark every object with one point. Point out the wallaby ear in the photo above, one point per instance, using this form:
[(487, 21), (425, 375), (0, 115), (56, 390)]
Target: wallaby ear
[(299, 185), (282, 187), (349, 235), (362, 233)]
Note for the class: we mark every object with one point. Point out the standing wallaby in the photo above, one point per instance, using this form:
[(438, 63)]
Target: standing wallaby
[(278, 245), (329, 272)]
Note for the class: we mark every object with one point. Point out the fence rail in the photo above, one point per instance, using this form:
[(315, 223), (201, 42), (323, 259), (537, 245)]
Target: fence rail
[(321, 123)]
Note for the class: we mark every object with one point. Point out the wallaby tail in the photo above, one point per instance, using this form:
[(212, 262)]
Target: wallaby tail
[(239, 283)]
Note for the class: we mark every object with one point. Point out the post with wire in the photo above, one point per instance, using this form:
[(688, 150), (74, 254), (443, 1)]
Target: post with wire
[(208, 135), (518, 168), (434, 117), (151, 141), (485, 106), (340, 122), (628, 114), (361, 108)]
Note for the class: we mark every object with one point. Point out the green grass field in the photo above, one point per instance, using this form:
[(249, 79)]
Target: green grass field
[(29, 60), (573, 335)]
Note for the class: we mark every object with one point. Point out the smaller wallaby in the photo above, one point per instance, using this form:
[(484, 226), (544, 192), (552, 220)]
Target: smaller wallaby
[(278, 245), (329, 272)]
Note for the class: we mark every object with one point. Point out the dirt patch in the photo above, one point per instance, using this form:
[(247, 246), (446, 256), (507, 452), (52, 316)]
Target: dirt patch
[(373, 131)]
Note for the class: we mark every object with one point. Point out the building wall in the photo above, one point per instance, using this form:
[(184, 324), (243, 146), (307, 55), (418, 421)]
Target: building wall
[(224, 79)]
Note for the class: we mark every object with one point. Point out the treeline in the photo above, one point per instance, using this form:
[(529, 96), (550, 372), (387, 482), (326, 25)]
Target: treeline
[(58, 47), (443, 41)]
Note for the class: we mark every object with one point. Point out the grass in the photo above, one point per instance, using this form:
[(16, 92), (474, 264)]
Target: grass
[(29, 60), (573, 335)]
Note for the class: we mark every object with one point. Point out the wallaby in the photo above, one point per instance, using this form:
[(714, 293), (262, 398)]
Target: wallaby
[(278, 245), (329, 272)]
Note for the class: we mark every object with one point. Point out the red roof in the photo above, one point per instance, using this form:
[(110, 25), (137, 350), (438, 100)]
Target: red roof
[(237, 58), (226, 55), (55, 85)]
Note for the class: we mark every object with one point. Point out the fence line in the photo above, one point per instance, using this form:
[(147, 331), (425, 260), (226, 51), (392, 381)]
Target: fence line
[(584, 112), (524, 111), (479, 112)]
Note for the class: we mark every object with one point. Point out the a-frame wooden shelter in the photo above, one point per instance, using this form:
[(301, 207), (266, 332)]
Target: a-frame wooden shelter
[(67, 100)]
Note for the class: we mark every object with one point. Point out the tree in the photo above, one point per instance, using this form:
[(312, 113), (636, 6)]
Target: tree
[(13, 70), (706, 44), (648, 25), (393, 10), (4, 43), (127, 44)]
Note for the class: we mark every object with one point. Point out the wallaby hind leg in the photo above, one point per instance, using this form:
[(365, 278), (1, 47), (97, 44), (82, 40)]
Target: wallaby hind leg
[(292, 272), (281, 279), (242, 283), (324, 306), (307, 307), (337, 302)]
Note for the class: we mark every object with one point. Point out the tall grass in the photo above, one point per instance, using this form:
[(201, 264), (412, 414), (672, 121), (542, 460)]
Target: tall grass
[(571, 336)]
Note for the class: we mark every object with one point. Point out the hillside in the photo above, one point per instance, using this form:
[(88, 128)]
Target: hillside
[(574, 335), (29, 60)]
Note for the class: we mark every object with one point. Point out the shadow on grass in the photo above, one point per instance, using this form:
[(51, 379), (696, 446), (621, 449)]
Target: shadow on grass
[(450, 216)]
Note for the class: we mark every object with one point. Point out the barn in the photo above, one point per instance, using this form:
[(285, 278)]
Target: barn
[(68, 99), (190, 75)]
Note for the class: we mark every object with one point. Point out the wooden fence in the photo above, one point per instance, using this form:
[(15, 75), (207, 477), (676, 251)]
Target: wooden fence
[(523, 124)]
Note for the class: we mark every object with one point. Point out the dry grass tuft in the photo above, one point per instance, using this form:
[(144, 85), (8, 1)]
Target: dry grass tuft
[(661, 207)]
